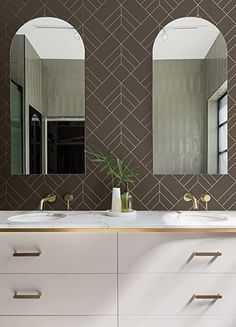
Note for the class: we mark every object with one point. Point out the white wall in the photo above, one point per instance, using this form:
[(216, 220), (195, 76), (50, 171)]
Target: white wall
[(53, 38), (33, 92), (187, 38), (179, 117), (63, 88)]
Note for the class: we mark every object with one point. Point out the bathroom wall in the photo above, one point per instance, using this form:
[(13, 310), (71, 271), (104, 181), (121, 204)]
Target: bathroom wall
[(179, 117), (63, 88), (215, 66), (32, 89), (17, 64), (33, 78), (118, 37), (17, 73)]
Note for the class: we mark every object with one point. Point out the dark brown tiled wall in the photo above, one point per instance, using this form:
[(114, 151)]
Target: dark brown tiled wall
[(118, 36)]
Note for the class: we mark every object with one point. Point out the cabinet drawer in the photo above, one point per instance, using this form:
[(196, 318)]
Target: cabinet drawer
[(151, 294), (59, 253), (93, 294), (40, 321), (173, 253), (178, 321)]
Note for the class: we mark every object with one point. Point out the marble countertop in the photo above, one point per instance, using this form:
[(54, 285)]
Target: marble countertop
[(90, 220)]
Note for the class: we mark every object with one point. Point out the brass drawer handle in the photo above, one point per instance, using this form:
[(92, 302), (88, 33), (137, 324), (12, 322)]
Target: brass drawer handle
[(207, 254), (26, 254), (24, 296), (207, 296)]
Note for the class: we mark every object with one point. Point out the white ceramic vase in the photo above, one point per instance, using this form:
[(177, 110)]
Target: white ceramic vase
[(116, 200)]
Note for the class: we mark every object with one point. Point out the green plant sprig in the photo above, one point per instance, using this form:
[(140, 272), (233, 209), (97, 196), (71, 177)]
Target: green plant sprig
[(114, 167)]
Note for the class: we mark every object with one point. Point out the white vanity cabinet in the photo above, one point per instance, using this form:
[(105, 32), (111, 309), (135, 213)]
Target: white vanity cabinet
[(58, 279), (160, 275), (60, 294), (177, 253), (177, 321), (56, 321), (117, 279), (55, 252)]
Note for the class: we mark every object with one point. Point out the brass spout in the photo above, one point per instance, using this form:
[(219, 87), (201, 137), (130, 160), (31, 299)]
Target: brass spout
[(49, 198), (189, 197)]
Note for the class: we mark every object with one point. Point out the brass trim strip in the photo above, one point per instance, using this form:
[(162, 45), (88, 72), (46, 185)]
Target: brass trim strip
[(26, 254), (33, 296), (118, 230)]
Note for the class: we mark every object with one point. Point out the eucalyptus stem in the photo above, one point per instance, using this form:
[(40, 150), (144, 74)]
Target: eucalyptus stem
[(112, 177), (114, 167)]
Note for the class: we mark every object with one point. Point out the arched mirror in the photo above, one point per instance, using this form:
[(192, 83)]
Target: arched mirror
[(47, 109), (190, 99)]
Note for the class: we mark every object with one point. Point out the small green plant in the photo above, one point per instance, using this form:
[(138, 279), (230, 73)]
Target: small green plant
[(114, 167)]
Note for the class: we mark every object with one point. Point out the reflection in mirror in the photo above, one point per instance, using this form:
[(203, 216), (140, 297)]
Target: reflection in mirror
[(47, 98), (65, 144), (190, 99), (35, 137)]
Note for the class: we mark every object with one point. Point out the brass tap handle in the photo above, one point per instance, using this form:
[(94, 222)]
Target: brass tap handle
[(205, 198), (68, 198), (207, 296), (26, 254), (27, 296), (207, 254)]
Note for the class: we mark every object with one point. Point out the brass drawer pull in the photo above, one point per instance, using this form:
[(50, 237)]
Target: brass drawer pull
[(26, 254), (207, 296), (207, 254), (24, 296)]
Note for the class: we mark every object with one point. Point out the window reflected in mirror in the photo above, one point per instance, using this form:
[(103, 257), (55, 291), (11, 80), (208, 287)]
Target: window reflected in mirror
[(47, 107), (190, 99), (222, 135)]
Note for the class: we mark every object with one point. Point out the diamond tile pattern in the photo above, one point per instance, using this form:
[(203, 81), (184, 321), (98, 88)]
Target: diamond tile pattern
[(118, 37)]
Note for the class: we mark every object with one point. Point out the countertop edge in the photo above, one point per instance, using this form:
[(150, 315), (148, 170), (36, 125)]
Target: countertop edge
[(118, 230)]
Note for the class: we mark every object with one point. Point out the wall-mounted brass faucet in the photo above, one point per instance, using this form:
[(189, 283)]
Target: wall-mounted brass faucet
[(49, 198), (68, 198), (204, 198), (189, 197)]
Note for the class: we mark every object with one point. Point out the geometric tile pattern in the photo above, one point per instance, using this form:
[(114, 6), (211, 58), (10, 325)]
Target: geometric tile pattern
[(118, 37)]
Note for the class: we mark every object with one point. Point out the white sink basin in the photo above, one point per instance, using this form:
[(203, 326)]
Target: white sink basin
[(36, 217), (66, 219), (195, 218)]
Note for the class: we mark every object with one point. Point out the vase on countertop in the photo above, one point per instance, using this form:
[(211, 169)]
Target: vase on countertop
[(116, 200), (126, 200)]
